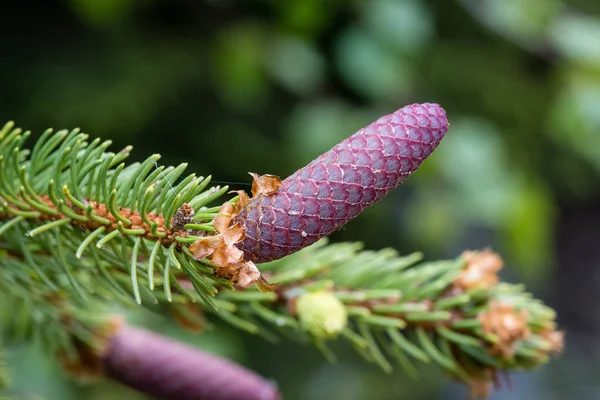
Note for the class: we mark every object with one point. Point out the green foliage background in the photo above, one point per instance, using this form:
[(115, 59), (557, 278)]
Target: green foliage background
[(232, 86)]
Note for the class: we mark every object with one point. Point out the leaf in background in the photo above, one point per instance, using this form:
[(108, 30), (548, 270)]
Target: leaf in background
[(306, 17), (575, 119), (102, 13), (529, 230), (114, 88), (577, 37), (315, 127), (296, 64), (523, 22), (472, 159), (369, 68), (403, 25), (239, 75)]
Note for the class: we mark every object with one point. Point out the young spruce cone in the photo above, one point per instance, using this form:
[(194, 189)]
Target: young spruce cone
[(166, 369), (334, 188)]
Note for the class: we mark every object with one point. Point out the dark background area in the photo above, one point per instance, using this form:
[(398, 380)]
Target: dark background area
[(232, 86)]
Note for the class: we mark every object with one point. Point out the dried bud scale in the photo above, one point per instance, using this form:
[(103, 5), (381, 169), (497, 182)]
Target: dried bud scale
[(480, 270), (508, 324), (337, 186)]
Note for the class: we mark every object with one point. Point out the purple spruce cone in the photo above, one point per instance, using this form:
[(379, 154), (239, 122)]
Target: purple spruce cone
[(334, 188), (166, 369)]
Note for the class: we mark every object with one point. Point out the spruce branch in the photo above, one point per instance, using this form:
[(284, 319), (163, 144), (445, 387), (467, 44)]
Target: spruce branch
[(80, 229), (454, 313), (73, 199)]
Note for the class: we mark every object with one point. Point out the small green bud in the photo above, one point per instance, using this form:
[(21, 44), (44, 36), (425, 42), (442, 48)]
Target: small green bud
[(322, 314)]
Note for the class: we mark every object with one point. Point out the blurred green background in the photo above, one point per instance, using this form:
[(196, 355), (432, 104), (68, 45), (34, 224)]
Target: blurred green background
[(232, 86)]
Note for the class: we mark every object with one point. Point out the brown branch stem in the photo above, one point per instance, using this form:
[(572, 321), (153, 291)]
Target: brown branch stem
[(101, 210)]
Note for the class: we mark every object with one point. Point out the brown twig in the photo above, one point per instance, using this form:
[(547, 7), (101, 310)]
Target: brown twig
[(101, 210)]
